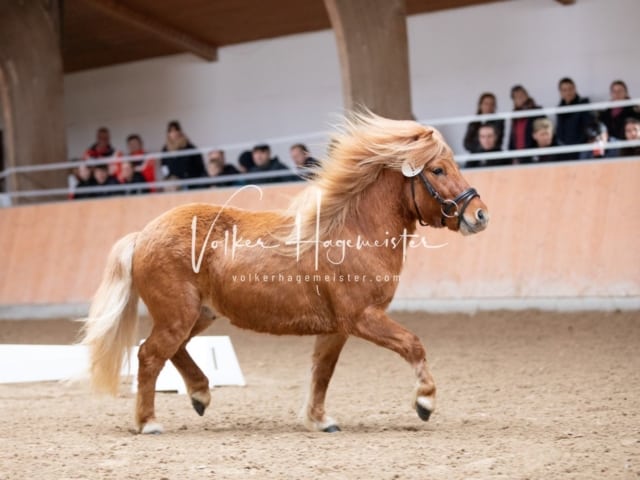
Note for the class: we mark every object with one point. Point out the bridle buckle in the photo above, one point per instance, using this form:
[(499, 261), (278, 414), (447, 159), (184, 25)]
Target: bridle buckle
[(445, 208)]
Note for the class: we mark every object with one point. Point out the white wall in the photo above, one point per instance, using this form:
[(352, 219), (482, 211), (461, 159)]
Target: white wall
[(291, 85)]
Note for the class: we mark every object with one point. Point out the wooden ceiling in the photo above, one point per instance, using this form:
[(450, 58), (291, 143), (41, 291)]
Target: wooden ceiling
[(97, 33)]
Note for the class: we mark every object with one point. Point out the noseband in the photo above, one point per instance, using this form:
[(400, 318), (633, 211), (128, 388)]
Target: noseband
[(449, 208)]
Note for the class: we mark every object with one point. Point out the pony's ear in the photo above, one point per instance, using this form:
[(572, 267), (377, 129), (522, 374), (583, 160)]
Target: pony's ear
[(410, 170)]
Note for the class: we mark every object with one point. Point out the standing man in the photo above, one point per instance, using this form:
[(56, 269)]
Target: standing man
[(571, 128)]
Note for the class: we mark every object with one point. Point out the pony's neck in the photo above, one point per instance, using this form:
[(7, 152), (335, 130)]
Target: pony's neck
[(382, 212)]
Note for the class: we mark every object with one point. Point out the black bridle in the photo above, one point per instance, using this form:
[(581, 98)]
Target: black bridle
[(446, 205)]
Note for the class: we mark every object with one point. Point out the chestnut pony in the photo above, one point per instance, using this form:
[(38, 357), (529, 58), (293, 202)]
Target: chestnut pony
[(324, 267)]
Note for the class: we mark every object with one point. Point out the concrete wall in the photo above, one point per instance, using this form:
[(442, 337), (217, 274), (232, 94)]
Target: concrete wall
[(567, 231), (291, 85)]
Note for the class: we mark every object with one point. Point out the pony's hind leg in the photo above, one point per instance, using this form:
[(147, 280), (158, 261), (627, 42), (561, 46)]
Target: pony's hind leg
[(378, 328), (172, 327), (325, 356), (197, 383)]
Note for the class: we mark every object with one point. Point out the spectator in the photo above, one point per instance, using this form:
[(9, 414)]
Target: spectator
[(486, 105), (146, 166), (103, 179), (102, 149), (631, 132), (84, 178), (544, 137), (216, 167), (305, 164), (245, 161), (172, 188), (130, 176), (522, 128), (572, 127), (615, 118), (598, 135), (264, 163), (183, 166), (487, 142)]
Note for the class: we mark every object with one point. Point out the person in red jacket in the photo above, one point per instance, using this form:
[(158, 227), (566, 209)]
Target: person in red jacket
[(102, 149), (522, 128), (147, 166)]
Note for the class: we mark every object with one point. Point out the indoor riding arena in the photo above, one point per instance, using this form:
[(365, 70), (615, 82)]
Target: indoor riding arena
[(526, 298)]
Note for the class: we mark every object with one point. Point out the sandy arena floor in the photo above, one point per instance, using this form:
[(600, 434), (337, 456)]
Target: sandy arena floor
[(524, 395)]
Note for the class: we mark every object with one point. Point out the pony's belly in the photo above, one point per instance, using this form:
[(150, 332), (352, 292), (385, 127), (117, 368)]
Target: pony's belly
[(283, 325)]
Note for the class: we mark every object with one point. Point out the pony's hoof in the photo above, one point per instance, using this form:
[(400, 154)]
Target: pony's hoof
[(152, 428), (198, 406), (423, 413), (425, 406), (200, 401), (332, 429)]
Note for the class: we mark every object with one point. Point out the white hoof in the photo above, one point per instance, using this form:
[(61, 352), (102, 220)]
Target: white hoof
[(428, 403), (323, 426), (152, 429)]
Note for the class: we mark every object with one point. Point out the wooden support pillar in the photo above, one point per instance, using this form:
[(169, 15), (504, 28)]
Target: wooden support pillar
[(31, 91), (374, 57)]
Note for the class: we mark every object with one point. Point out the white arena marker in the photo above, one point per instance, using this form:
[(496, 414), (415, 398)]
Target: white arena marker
[(39, 363), (214, 355)]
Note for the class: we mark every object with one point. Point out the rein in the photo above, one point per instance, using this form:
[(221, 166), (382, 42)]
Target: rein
[(446, 205)]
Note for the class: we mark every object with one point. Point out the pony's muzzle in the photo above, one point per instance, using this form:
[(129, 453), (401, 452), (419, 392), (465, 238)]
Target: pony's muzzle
[(481, 216), (474, 221)]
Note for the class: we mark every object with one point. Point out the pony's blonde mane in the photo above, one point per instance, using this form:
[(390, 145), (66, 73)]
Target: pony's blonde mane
[(364, 145)]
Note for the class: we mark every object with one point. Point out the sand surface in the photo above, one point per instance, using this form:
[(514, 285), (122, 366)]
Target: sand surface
[(521, 395)]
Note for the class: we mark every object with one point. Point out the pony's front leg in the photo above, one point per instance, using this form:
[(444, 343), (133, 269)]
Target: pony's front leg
[(375, 326), (325, 356)]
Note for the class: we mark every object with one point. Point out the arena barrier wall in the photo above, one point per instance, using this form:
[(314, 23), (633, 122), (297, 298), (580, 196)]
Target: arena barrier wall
[(557, 231)]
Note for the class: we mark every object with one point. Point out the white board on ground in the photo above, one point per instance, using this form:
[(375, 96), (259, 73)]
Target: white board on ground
[(38, 363), (214, 355)]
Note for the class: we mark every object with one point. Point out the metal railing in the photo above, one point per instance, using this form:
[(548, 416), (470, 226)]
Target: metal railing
[(245, 178)]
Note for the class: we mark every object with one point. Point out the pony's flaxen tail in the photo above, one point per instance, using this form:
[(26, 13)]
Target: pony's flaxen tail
[(111, 328)]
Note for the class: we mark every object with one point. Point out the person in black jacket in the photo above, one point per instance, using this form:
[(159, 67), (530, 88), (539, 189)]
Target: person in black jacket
[(615, 118), (306, 166), (488, 142), (486, 104), (84, 178), (571, 128), (217, 167), (631, 132), (183, 166), (264, 163), (129, 176), (103, 179)]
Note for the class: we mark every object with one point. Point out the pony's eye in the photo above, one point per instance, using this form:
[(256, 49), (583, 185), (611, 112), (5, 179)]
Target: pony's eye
[(438, 171)]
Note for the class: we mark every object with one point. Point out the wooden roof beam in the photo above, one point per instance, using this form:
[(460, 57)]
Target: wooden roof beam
[(156, 27)]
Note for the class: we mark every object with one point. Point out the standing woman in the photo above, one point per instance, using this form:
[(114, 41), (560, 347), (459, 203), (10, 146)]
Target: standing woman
[(486, 105), (615, 118), (183, 166), (522, 128)]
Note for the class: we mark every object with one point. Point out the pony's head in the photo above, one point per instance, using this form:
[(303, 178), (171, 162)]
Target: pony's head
[(437, 193), (434, 190)]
